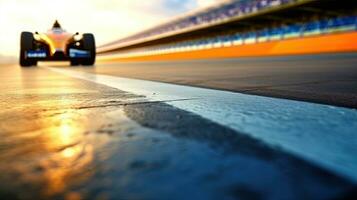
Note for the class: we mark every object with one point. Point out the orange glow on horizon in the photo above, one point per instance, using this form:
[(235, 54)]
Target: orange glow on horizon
[(108, 20)]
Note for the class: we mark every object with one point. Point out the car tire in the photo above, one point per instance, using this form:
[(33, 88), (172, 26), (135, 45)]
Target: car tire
[(89, 45), (26, 44)]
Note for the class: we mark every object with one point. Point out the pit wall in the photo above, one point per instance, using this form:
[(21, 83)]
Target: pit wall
[(332, 43)]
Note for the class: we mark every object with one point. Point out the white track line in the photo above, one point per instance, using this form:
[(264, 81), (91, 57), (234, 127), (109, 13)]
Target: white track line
[(326, 135)]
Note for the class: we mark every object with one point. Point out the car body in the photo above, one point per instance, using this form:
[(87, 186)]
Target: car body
[(57, 45)]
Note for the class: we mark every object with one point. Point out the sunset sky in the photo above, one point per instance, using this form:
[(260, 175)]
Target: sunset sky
[(107, 19)]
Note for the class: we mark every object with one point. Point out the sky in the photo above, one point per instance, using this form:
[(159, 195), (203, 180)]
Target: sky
[(108, 20)]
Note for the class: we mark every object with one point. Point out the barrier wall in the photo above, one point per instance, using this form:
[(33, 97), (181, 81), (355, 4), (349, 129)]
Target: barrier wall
[(331, 43)]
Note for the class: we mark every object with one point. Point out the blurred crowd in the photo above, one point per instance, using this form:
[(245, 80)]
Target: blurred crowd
[(234, 8), (230, 38)]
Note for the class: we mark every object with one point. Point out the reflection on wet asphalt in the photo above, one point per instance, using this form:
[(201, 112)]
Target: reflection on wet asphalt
[(63, 138)]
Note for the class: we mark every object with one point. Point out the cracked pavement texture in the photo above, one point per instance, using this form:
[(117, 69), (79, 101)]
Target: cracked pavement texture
[(65, 138)]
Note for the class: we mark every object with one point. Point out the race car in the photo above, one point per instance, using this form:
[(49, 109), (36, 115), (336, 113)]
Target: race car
[(57, 45)]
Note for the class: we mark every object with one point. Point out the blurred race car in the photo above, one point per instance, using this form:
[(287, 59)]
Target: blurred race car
[(57, 45)]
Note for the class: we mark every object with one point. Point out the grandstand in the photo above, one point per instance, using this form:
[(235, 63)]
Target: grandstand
[(246, 24)]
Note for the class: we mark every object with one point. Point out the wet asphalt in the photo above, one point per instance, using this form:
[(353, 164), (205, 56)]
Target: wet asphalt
[(65, 138)]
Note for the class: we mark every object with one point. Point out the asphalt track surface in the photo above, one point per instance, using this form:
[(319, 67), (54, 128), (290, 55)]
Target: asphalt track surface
[(64, 136), (326, 78)]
